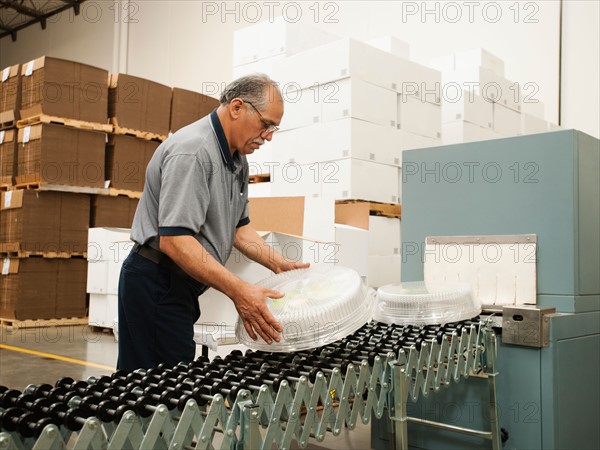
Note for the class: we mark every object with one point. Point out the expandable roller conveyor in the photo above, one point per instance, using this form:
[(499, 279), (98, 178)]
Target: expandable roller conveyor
[(259, 399)]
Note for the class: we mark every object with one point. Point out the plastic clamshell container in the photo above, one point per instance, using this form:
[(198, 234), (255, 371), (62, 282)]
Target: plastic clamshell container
[(320, 306), (420, 303)]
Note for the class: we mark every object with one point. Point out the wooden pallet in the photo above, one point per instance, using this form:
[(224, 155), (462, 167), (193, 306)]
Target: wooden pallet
[(392, 210), (43, 254), (131, 194), (260, 178), (41, 186), (41, 323), (6, 187), (82, 124), (7, 120), (147, 135)]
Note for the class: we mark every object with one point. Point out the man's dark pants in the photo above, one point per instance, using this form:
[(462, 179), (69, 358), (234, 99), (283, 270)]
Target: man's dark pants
[(158, 307)]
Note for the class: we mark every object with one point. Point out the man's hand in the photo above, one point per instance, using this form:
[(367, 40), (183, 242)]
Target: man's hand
[(252, 308), (284, 265)]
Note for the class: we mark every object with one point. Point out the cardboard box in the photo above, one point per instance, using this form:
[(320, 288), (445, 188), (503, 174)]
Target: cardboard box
[(43, 288), (356, 179), (189, 106), (413, 79), (467, 106), (139, 104), (534, 107), (312, 218), (419, 117), (479, 57), (507, 122), (460, 131), (384, 270), (113, 211), (61, 88), (44, 221), (275, 37), (352, 97), (127, 158), (10, 94), (8, 152), (56, 154), (383, 232), (531, 124), (345, 138)]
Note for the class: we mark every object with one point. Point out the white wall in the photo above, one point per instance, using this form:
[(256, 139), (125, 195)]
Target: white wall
[(189, 44), (580, 67)]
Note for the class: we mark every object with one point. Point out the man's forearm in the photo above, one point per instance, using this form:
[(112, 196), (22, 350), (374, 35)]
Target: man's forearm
[(193, 258)]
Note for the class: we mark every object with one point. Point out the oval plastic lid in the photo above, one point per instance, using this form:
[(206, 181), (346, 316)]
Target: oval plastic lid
[(420, 303), (321, 305)]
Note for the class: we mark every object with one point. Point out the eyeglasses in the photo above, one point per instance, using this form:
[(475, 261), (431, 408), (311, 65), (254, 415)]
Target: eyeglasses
[(267, 129)]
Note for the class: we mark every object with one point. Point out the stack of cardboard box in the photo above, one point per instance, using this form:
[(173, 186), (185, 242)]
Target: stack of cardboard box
[(10, 92), (43, 239)]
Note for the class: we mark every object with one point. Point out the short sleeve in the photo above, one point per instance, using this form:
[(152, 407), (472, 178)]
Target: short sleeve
[(184, 195)]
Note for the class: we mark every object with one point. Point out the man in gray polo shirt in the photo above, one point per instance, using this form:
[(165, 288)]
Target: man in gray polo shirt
[(194, 208)]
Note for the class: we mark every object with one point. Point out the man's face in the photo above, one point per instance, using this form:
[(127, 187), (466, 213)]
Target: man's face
[(256, 126)]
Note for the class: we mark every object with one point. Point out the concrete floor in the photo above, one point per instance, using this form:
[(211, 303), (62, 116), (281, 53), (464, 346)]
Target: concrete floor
[(44, 355)]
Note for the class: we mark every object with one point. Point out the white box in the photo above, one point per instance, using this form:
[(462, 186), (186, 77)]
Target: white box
[(404, 140), (352, 248), (391, 44), (461, 131), (533, 107), (305, 180), (267, 39), (419, 117), (384, 270), (103, 310), (531, 124), (344, 138), (511, 95), (352, 97), (107, 249), (479, 57), (261, 66), (479, 80), (217, 309), (302, 107), (259, 189), (384, 236), (356, 179), (411, 78), (469, 107), (507, 121), (337, 60)]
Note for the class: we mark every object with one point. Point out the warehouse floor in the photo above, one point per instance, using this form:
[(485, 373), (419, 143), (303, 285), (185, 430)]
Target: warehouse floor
[(44, 355)]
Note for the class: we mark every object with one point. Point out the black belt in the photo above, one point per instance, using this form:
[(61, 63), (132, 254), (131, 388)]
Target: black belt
[(158, 257)]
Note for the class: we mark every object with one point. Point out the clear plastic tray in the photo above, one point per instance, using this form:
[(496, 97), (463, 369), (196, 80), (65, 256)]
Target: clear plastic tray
[(420, 303), (320, 306)]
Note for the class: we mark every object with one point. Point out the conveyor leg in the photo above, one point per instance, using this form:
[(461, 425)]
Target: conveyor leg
[(398, 414)]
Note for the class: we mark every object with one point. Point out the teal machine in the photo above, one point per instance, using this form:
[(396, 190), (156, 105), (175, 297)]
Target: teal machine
[(548, 382)]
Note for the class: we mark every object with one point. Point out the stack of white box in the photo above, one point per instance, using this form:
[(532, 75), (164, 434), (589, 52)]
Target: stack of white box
[(480, 103), (351, 109), (107, 249)]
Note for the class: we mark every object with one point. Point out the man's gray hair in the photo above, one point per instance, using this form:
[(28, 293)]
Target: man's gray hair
[(252, 88)]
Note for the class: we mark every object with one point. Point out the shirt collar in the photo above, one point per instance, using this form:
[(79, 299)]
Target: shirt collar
[(222, 140)]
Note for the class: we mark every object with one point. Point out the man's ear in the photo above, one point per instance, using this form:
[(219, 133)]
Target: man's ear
[(235, 108)]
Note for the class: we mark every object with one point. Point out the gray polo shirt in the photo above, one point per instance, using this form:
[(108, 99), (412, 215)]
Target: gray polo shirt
[(194, 187)]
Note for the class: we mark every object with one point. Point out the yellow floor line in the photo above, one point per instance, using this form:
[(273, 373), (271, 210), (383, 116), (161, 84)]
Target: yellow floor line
[(57, 357)]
